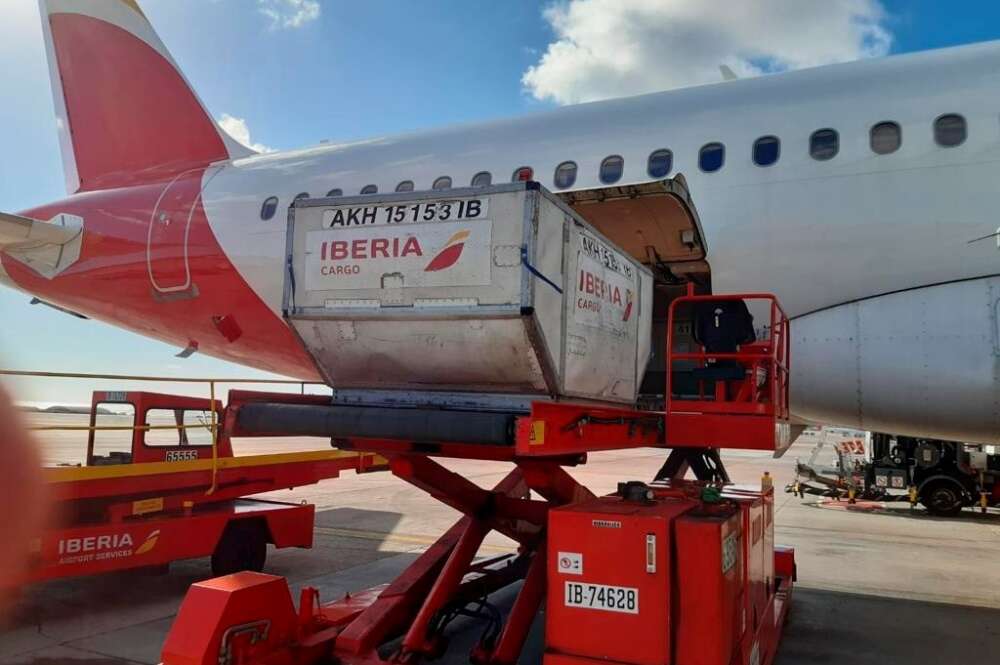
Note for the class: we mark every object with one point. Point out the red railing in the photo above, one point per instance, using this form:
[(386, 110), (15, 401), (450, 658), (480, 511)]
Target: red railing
[(740, 411)]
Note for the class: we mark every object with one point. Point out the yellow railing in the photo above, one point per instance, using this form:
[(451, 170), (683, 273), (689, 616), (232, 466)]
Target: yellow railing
[(212, 382)]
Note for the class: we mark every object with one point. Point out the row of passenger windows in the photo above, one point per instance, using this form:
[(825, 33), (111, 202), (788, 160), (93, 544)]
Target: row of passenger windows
[(884, 137)]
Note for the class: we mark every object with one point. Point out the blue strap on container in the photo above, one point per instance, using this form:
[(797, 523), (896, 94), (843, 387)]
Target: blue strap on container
[(534, 271)]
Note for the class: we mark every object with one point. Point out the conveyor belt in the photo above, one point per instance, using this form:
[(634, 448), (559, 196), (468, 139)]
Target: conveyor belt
[(372, 422)]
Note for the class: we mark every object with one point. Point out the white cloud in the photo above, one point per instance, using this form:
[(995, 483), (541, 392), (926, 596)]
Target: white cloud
[(614, 48), (289, 13), (237, 128)]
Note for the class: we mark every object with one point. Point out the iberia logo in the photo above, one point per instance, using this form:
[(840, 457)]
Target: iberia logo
[(149, 543), (628, 305), (449, 255)]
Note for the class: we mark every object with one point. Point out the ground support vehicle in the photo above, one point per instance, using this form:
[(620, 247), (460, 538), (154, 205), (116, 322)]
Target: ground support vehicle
[(164, 491), (943, 476), (671, 571)]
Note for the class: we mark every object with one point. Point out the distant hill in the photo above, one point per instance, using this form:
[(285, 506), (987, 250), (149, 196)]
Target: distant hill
[(59, 408), (64, 409)]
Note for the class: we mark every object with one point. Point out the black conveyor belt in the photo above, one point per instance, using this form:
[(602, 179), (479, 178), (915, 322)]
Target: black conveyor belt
[(373, 422)]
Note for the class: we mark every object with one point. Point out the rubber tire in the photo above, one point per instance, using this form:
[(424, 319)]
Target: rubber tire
[(943, 499), (243, 546)]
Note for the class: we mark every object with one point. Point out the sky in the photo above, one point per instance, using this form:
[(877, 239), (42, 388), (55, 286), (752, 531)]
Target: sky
[(280, 74)]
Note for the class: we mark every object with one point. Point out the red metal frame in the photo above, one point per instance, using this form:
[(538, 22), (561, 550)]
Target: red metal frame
[(560, 428), (445, 576), (742, 413)]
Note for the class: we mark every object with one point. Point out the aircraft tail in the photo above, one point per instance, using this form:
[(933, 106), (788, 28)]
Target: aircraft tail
[(126, 115)]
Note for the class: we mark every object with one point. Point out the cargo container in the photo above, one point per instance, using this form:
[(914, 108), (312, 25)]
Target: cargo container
[(501, 289)]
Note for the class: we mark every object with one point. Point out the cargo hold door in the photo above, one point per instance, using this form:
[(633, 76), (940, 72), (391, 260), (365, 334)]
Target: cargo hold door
[(167, 258), (655, 222)]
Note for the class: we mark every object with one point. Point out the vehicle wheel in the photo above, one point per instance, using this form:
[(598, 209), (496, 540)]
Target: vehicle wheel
[(942, 498), (243, 546)]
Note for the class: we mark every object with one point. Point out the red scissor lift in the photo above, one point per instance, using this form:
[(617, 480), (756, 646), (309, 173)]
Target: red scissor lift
[(250, 617)]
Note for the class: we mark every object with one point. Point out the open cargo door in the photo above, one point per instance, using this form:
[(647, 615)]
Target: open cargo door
[(655, 222)]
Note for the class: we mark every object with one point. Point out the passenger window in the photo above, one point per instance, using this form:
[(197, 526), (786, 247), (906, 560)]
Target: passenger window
[(369, 189), (660, 163), (405, 186), (824, 144), (300, 195), (766, 150), (711, 157), (565, 175), (950, 130), (611, 169), (335, 192), (482, 179), (444, 182), (886, 137), (268, 209), (522, 174)]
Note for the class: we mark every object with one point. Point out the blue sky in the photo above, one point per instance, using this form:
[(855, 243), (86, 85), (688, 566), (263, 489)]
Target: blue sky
[(300, 71)]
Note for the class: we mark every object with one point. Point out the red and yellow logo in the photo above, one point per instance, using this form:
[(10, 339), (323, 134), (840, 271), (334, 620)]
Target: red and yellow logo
[(450, 253), (149, 543), (628, 304)]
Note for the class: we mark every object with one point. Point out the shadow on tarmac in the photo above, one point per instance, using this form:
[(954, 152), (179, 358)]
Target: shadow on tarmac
[(967, 515), (835, 627), (373, 522)]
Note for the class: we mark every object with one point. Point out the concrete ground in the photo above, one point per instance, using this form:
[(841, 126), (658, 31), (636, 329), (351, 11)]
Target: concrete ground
[(881, 587)]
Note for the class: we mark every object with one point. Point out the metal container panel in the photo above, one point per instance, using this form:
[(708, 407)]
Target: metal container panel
[(608, 318), (491, 355), (388, 292), (357, 254), (550, 260)]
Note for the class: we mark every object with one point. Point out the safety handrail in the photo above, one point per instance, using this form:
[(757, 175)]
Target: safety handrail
[(776, 355)]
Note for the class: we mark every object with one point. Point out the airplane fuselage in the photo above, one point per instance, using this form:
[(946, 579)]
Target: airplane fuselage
[(895, 310)]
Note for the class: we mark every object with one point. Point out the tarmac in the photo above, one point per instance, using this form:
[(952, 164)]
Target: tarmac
[(882, 586)]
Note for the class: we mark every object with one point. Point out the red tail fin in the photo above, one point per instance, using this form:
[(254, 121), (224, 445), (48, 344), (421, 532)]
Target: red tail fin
[(126, 114)]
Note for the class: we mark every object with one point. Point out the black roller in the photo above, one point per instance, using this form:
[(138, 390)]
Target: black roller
[(371, 422)]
